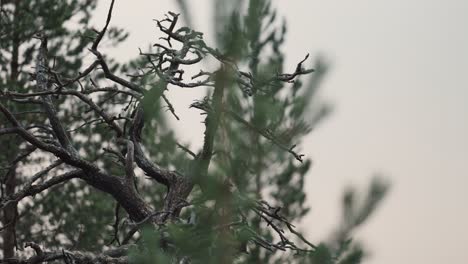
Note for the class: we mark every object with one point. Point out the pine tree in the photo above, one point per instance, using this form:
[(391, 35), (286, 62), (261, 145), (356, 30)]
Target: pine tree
[(66, 24), (235, 200)]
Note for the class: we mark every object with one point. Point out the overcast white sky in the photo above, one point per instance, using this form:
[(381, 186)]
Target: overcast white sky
[(399, 87)]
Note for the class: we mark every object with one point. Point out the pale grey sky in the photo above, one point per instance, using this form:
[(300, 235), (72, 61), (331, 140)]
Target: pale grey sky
[(400, 92)]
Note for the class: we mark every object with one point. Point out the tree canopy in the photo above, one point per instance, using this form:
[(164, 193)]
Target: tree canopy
[(93, 172)]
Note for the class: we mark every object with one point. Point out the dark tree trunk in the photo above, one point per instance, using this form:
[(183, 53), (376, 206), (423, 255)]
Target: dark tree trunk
[(9, 216), (10, 211)]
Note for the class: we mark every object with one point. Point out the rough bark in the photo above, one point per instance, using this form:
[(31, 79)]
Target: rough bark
[(10, 211)]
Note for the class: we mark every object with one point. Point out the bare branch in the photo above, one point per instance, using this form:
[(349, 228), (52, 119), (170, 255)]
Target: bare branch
[(129, 158), (151, 169), (266, 134), (103, 31), (30, 189), (42, 84), (114, 256), (285, 77)]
